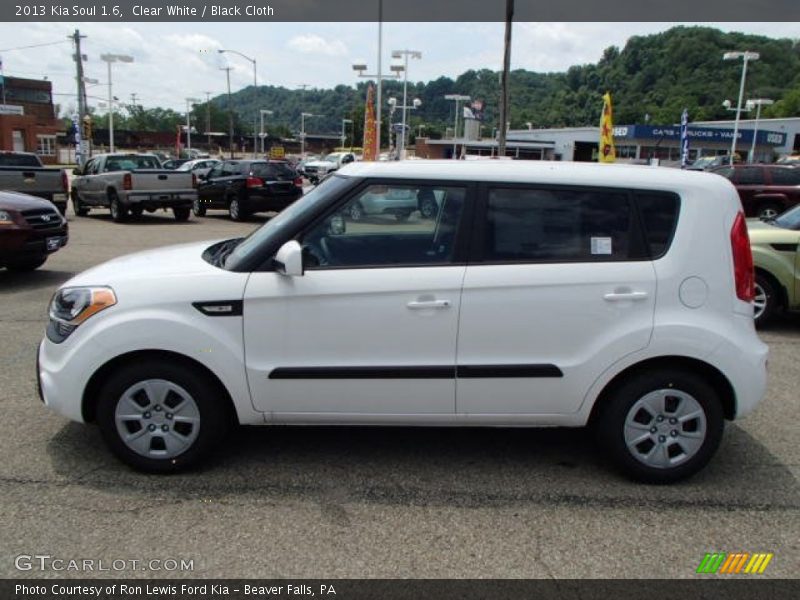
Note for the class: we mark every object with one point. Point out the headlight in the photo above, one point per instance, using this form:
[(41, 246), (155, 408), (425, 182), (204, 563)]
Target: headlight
[(6, 218), (72, 306)]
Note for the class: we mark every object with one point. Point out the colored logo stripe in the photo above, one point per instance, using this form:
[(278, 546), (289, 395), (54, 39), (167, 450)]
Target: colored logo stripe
[(737, 562)]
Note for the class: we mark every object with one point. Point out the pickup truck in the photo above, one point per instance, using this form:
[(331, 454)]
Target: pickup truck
[(131, 184), (315, 170), (24, 172)]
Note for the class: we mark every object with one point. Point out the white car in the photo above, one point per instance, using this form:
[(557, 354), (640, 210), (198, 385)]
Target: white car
[(542, 294), (317, 169)]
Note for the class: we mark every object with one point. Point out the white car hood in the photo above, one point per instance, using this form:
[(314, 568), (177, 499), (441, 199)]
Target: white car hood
[(184, 260)]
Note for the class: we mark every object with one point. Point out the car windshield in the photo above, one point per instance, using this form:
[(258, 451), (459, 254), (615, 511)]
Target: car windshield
[(187, 166), (332, 158), (788, 220), (131, 163), (277, 225), (274, 170), (19, 160)]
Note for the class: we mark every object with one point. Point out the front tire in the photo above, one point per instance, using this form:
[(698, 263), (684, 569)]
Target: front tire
[(661, 426), (198, 209), (160, 417), (28, 264), (428, 208), (235, 209)]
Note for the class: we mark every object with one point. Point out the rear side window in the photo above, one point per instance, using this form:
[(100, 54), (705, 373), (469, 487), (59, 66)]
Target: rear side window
[(19, 160), (545, 225), (785, 176), (750, 176), (273, 171), (659, 217)]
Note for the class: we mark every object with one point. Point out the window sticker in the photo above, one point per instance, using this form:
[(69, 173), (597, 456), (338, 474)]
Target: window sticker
[(601, 245)]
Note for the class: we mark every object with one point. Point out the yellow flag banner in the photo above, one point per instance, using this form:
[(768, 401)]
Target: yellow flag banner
[(370, 151), (608, 153)]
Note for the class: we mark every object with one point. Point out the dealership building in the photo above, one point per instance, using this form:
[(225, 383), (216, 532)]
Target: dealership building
[(635, 143)]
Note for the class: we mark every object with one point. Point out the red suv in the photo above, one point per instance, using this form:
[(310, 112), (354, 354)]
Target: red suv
[(766, 190), (30, 230)]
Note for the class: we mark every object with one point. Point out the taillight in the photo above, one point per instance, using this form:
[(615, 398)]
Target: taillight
[(254, 182), (127, 182), (298, 181), (742, 260), (64, 181)]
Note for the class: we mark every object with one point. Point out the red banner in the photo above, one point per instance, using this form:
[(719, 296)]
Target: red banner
[(370, 148)]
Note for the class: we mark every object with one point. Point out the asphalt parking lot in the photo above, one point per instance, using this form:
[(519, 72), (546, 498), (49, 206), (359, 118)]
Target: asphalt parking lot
[(359, 502)]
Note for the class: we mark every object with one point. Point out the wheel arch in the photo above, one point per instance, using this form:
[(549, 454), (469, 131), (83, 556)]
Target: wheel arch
[(714, 376), (90, 392)]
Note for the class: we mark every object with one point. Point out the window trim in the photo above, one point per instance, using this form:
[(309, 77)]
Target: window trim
[(461, 246), (639, 245)]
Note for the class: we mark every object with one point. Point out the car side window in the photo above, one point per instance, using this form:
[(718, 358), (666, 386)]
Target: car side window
[(386, 226), (547, 225), (750, 176), (229, 169), (216, 171), (659, 212), (785, 176), (90, 167)]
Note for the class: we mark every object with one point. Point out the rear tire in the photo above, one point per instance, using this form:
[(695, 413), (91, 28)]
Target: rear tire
[(118, 212), (161, 417), (235, 209), (766, 300), (181, 213), (78, 206), (428, 208), (136, 211), (661, 426)]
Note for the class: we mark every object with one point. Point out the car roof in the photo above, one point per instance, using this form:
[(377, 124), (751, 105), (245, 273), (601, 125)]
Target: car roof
[(543, 172)]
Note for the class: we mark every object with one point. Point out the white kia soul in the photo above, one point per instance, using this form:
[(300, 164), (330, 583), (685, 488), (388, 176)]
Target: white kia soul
[(508, 294)]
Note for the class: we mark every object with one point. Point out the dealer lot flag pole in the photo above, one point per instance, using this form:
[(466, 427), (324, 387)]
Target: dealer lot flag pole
[(608, 152)]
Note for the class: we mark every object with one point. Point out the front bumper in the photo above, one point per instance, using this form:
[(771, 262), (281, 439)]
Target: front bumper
[(59, 380)]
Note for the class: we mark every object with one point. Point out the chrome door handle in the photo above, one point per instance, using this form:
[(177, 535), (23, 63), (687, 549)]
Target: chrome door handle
[(421, 304), (619, 296)]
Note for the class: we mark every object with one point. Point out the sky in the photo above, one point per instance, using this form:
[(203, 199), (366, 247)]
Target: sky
[(173, 61)]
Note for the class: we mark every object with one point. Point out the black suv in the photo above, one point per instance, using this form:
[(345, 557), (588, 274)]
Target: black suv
[(30, 230), (244, 187)]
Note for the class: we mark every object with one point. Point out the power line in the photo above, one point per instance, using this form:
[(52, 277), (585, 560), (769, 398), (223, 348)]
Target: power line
[(34, 46)]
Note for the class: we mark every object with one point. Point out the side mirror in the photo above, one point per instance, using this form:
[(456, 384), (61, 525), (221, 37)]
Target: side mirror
[(337, 225), (289, 259)]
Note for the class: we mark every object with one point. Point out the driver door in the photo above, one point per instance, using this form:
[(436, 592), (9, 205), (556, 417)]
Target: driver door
[(369, 329)]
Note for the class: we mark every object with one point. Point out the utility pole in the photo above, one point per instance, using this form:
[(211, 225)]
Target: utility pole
[(230, 110), (76, 38), (501, 144), (208, 119)]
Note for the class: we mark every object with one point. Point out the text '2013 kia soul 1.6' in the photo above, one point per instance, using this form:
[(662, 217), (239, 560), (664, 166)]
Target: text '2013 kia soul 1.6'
[(523, 295)]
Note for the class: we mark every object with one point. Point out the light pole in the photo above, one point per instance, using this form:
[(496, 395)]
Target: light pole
[(405, 54), (343, 134), (746, 56), (189, 102), (263, 112), (457, 98), (255, 91), (303, 132), (758, 103), (230, 111), (208, 119), (112, 58)]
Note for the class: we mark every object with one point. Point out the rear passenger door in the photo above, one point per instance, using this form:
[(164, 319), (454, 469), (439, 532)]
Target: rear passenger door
[(559, 287)]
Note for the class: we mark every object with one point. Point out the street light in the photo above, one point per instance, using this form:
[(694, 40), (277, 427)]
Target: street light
[(405, 54), (303, 132), (746, 56), (263, 112), (189, 102), (343, 135), (758, 103), (360, 67), (457, 98), (112, 58), (255, 90)]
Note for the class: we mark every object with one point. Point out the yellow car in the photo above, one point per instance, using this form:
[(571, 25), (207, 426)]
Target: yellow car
[(777, 263)]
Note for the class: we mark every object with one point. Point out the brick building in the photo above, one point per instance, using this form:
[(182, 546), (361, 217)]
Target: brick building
[(28, 120)]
